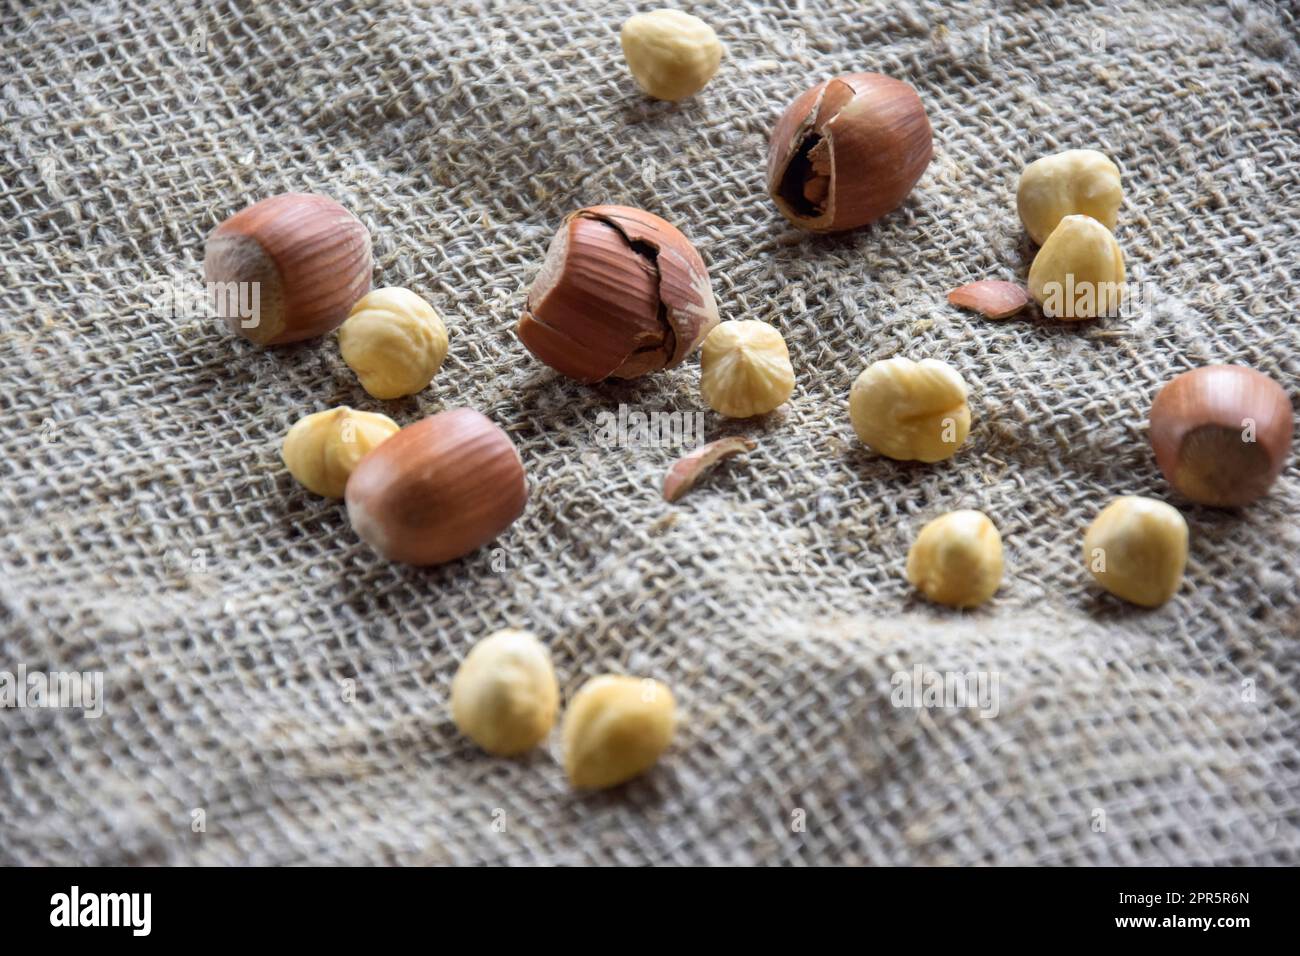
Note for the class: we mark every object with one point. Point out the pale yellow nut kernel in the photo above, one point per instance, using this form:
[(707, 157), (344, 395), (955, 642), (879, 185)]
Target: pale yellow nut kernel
[(394, 341), (671, 54), (504, 696), (1137, 549), (910, 411), (957, 559), (745, 369), (1075, 182), (320, 450), (616, 728), (1079, 272)]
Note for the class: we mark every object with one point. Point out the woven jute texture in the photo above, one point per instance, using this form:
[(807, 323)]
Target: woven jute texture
[(275, 693)]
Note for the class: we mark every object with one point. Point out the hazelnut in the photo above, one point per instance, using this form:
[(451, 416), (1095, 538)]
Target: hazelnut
[(621, 293), (1221, 434), (910, 411), (504, 695), (848, 151), (615, 729), (745, 369), (671, 54), (1079, 271), (1136, 549), (438, 489), (957, 559), (300, 260), (1075, 182), (320, 450), (394, 341)]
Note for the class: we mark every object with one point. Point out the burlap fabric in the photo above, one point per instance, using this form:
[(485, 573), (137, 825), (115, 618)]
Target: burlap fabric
[(277, 694)]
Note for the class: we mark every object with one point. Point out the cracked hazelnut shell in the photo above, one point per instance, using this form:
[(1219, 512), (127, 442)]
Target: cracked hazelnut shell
[(309, 257), (621, 293), (848, 151)]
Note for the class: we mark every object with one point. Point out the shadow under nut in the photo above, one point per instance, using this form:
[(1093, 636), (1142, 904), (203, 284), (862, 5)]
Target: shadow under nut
[(438, 489)]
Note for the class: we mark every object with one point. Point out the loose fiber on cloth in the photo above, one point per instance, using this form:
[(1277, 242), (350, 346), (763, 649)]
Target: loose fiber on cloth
[(275, 693)]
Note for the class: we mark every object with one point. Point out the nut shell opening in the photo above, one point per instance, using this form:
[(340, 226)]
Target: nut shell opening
[(848, 151)]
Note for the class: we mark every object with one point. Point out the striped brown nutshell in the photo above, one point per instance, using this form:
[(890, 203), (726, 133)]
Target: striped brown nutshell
[(438, 489), (848, 151), (299, 260), (1222, 433), (620, 294)]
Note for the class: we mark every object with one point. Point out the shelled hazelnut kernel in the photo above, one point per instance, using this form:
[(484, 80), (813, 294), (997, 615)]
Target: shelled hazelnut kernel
[(322, 449), (504, 696), (910, 411), (848, 151), (957, 559), (1079, 271), (615, 729), (745, 369), (394, 341), (1222, 433), (287, 268), (671, 54), (1074, 182), (1136, 548), (438, 489)]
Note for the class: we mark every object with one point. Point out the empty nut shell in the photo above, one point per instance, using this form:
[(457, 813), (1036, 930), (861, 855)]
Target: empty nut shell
[(621, 293), (438, 489), (1222, 434), (690, 468), (848, 151), (992, 298), (287, 268)]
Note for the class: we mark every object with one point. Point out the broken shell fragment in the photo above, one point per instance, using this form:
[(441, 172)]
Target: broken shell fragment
[(992, 298), (686, 471), (620, 294), (848, 151)]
